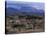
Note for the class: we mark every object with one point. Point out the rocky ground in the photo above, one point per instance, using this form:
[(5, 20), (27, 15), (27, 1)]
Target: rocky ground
[(24, 24)]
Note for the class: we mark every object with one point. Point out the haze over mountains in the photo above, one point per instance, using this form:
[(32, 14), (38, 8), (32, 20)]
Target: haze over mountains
[(22, 9)]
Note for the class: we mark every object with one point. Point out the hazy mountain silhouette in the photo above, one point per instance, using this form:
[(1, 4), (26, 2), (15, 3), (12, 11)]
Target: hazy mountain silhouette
[(24, 10)]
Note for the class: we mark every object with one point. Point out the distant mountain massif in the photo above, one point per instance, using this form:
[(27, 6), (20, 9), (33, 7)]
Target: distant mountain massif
[(22, 9)]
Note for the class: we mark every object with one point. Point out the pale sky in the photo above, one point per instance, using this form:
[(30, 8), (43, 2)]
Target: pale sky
[(33, 4)]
